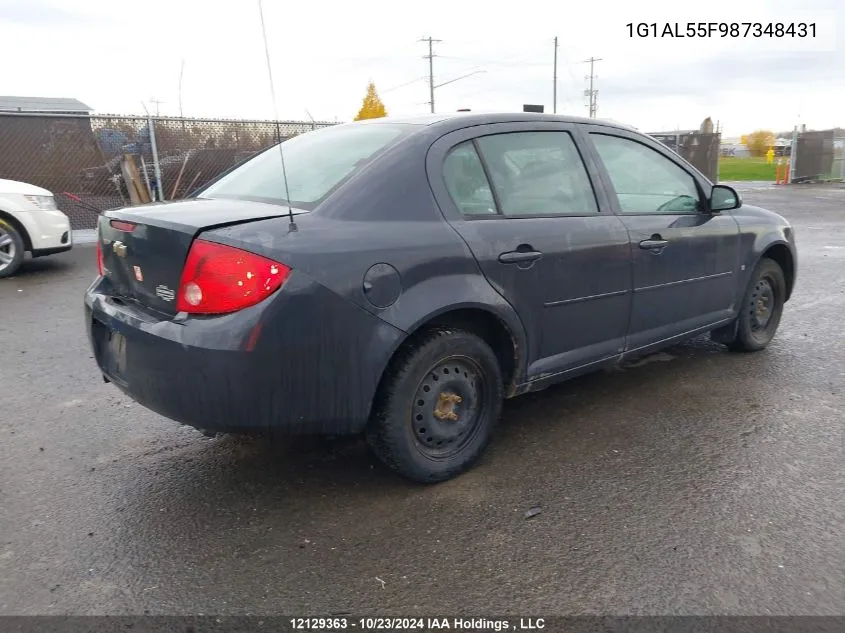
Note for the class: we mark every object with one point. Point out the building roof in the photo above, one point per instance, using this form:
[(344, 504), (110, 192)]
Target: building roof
[(42, 104)]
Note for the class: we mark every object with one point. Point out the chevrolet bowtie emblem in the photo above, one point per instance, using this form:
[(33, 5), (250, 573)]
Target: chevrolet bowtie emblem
[(119, 249)]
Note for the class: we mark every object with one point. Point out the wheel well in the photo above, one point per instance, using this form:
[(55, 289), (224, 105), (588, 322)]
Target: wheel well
[(27, 242), (483, 324), (781, 255)]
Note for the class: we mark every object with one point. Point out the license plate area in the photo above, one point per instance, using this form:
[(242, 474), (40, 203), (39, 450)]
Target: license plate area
[(110, 347)]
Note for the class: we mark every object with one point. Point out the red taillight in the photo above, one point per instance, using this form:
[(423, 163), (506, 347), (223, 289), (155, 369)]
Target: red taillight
[(218, 279), (100, 269)]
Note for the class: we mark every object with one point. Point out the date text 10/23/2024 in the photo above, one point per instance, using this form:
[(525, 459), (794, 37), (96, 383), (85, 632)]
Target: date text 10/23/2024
[(722, 29)]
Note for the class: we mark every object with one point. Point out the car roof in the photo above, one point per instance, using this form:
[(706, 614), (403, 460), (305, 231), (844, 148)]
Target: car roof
[(456, 120)]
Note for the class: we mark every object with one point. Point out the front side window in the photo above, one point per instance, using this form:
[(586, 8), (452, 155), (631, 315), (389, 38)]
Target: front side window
[(646, 182), (538, 173), (315, 162)]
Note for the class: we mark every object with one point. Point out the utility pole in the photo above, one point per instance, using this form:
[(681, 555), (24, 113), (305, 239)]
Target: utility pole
[(158, 103), (592, 93), (554, 82), (430, 57)]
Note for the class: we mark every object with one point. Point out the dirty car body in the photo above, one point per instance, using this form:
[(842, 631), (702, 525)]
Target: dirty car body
[(534, 234)]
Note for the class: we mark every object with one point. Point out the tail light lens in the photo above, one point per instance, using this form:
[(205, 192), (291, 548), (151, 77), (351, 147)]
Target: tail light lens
[(126, 227), (218, 279), (100, 269)]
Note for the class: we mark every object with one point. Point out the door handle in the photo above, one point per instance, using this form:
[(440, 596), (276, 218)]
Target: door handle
[(519, 257), (654, 243)]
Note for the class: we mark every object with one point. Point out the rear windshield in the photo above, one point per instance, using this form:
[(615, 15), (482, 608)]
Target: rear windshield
[(316, 163)]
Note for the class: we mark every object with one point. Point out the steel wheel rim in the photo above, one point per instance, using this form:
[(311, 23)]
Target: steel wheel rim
[(7, 249), (762, 305), (448, 407)]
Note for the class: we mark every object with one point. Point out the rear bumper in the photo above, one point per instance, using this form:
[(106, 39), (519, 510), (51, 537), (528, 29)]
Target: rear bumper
[(305, 361)]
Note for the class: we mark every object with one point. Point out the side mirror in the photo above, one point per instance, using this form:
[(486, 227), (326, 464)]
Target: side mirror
[(724, 198)]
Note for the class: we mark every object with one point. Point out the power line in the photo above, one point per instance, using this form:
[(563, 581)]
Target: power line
[(404, 85), (430, 57), (475, 72), (521, 60), (554, 82), (592, 93), (356, 62), (575, 81)]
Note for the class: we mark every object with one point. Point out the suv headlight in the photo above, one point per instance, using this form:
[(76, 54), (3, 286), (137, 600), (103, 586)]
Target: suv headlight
[(45, 203)]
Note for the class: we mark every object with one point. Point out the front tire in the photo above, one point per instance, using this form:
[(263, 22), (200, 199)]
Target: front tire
[(761, 309), (437, 407), (11, 249)]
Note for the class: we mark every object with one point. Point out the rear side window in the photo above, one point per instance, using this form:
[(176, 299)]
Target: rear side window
[(538, 173), (316, 163), (646, 182), (466, 181)]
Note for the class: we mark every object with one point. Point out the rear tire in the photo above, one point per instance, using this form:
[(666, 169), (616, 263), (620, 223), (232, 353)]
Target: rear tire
[(11, 249), (437, 407), (761, 309)]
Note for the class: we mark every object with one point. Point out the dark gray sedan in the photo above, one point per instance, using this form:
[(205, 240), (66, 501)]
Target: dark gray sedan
[(401, 278)]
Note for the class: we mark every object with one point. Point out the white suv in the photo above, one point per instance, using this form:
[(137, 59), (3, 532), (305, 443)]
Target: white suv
[(29, 221)]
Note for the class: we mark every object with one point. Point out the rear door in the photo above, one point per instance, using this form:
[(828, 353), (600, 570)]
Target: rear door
[(522, 197), (685, 258)]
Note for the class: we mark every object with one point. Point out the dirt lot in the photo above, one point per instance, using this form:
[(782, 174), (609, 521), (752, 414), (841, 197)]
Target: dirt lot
[(697, 481)]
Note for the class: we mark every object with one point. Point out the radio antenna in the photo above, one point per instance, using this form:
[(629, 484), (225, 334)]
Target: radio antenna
[(292, 225)]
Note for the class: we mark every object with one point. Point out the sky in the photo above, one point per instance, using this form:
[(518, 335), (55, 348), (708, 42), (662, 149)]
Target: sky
[(120, 57)]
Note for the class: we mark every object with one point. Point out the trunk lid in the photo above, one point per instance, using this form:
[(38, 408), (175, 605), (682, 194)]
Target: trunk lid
[(145, 264)]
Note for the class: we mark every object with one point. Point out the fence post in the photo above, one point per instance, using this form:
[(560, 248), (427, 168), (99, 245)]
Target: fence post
[(841, 156), (157, 167), (718, 143), (793, 151)]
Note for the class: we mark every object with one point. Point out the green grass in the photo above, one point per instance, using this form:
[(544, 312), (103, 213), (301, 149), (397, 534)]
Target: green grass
[(731, 168)]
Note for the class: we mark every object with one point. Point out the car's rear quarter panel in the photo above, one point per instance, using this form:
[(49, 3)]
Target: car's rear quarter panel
[(298, 363)]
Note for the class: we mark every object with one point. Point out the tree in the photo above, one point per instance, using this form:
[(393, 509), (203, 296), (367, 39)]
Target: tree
[(760, 141), (372, 108)]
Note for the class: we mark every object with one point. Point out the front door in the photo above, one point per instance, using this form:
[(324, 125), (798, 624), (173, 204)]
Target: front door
[(685, 258), (523, 200)]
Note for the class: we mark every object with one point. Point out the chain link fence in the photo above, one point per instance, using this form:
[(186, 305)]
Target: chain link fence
[(78, 158), (700, 149), (819, 155)]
